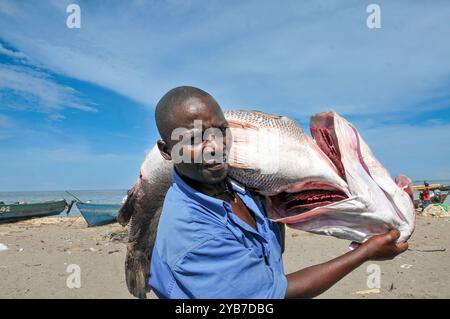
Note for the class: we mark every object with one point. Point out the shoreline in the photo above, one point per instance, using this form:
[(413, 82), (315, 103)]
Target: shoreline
[(40, 251)]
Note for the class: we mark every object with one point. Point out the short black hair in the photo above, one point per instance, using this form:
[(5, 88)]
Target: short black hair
[(168, 104), (425, 183)]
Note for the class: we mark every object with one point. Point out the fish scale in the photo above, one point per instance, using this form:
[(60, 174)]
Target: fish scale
[(285, 152)]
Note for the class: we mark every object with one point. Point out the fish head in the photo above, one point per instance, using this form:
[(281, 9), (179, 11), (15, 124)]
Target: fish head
[(329, 183), (376, 202), (274, 156)]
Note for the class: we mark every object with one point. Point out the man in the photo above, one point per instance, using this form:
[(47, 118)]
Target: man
[(425, 196), (214, 238)]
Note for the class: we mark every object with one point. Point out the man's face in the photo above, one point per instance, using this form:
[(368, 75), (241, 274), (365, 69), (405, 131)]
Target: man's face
[(199, 145)]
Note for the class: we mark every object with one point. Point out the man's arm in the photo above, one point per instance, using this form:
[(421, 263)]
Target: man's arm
[(314, 280), (282, 231)]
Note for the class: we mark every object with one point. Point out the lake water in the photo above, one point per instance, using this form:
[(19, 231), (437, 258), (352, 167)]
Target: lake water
[(106, 196)]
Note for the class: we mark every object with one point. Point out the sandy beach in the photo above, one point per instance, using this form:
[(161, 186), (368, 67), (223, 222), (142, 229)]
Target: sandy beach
[(41, 250)]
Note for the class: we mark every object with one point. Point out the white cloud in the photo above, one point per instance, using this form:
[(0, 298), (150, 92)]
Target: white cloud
[(39, 91), (10, 53), (294, 59)]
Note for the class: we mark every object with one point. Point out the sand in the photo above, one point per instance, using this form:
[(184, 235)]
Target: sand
[(41, 250)]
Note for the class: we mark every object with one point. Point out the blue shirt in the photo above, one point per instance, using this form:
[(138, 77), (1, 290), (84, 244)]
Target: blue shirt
[(203, 250)]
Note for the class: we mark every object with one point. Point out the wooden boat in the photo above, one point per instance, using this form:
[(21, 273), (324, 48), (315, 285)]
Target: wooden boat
[(431, 187), (15, 212), (442, 198), (98, 214)]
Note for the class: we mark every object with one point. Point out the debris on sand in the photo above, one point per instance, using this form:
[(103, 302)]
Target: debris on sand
[(3, 247), (406, 266), (117, 235), (435, 211), (430, 249), (368, 291)]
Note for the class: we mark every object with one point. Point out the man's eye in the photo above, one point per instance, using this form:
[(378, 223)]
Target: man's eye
[(196, 139)]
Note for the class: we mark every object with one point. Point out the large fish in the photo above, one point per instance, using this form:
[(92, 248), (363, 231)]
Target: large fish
[(329, 184), (374, 204)]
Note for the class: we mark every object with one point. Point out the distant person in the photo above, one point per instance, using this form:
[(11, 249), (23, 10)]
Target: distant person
[(425, 196)]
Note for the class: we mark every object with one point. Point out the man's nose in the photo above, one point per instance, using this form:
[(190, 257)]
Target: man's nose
[(214, 143)]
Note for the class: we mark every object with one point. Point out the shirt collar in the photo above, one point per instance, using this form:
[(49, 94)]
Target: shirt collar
[(237, 187)]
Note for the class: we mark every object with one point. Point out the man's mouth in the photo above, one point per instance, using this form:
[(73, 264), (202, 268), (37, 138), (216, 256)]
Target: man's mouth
[(214, 166)]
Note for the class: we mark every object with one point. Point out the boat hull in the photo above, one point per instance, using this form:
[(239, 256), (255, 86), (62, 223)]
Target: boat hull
[(15, 212), (98, 214)]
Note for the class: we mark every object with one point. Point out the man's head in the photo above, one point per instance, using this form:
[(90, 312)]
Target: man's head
[(426, 184), (193, 134)]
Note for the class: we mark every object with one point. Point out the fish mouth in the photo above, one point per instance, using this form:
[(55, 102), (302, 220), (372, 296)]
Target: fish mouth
[(304, 197), (288, 204)]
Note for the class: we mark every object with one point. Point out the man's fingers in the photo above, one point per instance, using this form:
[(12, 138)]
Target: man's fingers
[(394, 234), (401, 247)]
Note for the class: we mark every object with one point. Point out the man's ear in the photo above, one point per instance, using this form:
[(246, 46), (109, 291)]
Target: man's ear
[(164, 150)]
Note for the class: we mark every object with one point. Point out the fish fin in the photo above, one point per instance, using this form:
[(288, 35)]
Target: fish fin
[(143, 231), (127, 210), (404, 182), (240, 124), (136, 272)]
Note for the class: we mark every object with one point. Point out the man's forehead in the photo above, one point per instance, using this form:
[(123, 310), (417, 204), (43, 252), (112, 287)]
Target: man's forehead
[(196, 105), (205, 110)]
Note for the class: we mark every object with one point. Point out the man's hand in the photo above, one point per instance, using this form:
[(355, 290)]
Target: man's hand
[(384, 247)]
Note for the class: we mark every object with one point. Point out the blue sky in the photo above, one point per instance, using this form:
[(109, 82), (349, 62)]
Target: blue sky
[(76, 105)]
